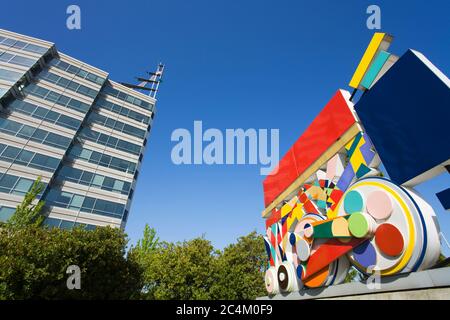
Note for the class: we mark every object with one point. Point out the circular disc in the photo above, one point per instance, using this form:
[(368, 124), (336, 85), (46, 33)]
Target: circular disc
[(389, 240), (303, 250), (353, 202), (358, 225), (379, 205)]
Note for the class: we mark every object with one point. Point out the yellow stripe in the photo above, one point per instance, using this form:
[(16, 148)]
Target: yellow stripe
[(367, 58)]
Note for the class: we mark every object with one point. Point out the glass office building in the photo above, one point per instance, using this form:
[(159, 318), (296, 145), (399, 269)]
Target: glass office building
[(68, 123)]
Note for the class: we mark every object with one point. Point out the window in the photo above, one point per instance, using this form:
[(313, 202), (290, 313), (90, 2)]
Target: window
[(110, 141), (7, 182), (38, 135), (6, 213), (10, 76), (24, 157), (98, 180), (11, 153), (77, 71), (22, 186), (104, 104), (16, 59), (56, 97), (128, 98), (13, 184), (68, 200), (95, 157), (77, 202)]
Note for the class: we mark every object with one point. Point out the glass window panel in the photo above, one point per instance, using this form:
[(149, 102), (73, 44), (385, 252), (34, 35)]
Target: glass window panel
[(26, 132), (11, 153), (52, 222), (88, 204), (108, 183), (118, 185), (73, 69), (40, 113), (39, 135), (95, 157), (6, 213), (98, 180), (105, 160), (7, 182), (63, 100), (25, 156), (85, 154), (66, 225), (77, 202), (82, 73), (87, 177), (22, 187), (64, 198)]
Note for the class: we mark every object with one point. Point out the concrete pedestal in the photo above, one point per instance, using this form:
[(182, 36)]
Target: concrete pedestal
[(429, 284)]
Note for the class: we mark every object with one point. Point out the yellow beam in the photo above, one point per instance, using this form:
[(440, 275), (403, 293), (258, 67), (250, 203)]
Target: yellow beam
[(380, 41)]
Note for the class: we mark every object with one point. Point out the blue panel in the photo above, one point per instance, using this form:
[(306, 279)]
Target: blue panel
[(375, 68), (444, 198), (406, 114)]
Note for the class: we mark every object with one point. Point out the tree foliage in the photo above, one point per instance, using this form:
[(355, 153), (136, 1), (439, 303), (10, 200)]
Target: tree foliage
[(33, 264), (29, 211), (194, 270)]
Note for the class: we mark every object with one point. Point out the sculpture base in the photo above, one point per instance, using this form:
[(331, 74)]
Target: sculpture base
[(429, 284)]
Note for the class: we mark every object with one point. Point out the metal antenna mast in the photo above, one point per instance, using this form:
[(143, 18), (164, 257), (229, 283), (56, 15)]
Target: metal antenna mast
[(155, 78)]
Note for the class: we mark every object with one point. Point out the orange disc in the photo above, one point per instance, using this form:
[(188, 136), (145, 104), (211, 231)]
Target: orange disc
[(318, 279)]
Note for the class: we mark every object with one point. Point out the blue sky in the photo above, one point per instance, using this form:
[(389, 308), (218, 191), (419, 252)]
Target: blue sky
[(232, 64)]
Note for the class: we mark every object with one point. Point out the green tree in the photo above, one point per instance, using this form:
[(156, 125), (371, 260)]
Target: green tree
[(194, 270), (29, 211), (180, 270), (240, 270), (33, 264)]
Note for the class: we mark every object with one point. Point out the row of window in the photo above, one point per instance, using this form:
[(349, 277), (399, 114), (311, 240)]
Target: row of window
[(103, 104), (67, 225), (58, 98), (38, 135), (16, 59), (64, 66), (44, 114), (107, 140), (9, 75), (73, 201), (22, 45), (15, 185), (6, 213), (78, 152), (94, 180), (28, 158), (68, 84), (128, 98), (116, 125)]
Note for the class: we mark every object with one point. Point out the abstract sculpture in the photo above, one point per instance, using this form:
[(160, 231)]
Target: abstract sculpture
[(328, 206)]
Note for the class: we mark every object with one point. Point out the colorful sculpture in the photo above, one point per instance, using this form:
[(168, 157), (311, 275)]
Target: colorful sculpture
[(328, 206)]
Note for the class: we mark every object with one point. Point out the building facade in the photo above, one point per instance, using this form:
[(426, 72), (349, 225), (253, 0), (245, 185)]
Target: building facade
[(68, 123)]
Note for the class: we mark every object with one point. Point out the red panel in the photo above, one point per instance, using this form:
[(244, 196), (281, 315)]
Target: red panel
[(286, 171), (328, 252), (331, 123)]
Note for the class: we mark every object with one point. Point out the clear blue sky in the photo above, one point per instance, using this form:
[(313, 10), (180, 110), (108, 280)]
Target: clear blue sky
[(232, 64)]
